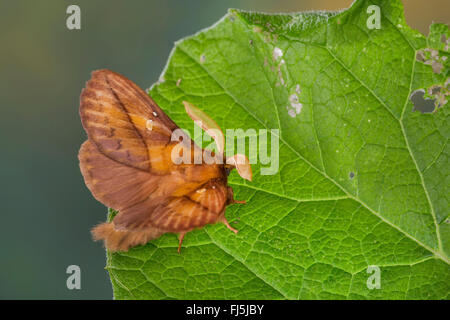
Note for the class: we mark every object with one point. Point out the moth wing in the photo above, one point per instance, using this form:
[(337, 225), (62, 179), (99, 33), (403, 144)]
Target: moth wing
[(112, 183), (122, 120), (177, 214)]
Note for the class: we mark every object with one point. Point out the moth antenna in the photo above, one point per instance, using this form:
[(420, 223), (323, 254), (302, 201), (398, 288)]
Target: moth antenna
[(225, 222), (181, 241), (240, 201), (207, 124), (242, 165)]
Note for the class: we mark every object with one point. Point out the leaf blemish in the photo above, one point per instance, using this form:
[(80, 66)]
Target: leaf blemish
[(446, 41), (291, 112), (351, 175), (202, 58), (277, 53), (257, 29), (431, 57), (280, 74), (295, 107)]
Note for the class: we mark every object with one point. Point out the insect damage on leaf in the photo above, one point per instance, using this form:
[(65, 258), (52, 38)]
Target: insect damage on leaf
[(277, 53), (431, 57), (435, 96), (295, 106), (432, 100), (421, 103)]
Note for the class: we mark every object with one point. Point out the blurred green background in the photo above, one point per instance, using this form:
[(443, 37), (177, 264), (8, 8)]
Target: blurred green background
[(46, 209)]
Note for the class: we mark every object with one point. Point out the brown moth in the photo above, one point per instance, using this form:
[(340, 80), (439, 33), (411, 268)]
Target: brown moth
[(127, 165)]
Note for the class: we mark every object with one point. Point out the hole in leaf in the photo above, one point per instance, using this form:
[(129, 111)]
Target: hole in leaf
[(422, 104)]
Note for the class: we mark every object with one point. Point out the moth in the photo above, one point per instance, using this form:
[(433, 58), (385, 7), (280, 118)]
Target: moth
[(127, 164)]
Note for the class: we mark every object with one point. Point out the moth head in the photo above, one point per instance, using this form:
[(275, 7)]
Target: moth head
[(238, 161)]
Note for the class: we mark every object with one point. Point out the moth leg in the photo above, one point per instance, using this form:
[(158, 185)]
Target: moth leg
[(225, 222), (181, 237), (240, 201)]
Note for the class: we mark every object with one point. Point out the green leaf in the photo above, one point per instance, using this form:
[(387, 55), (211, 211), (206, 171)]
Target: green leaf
[(363, 178)]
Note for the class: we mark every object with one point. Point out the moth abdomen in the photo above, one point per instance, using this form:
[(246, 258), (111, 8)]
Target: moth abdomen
[(123, 239)]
